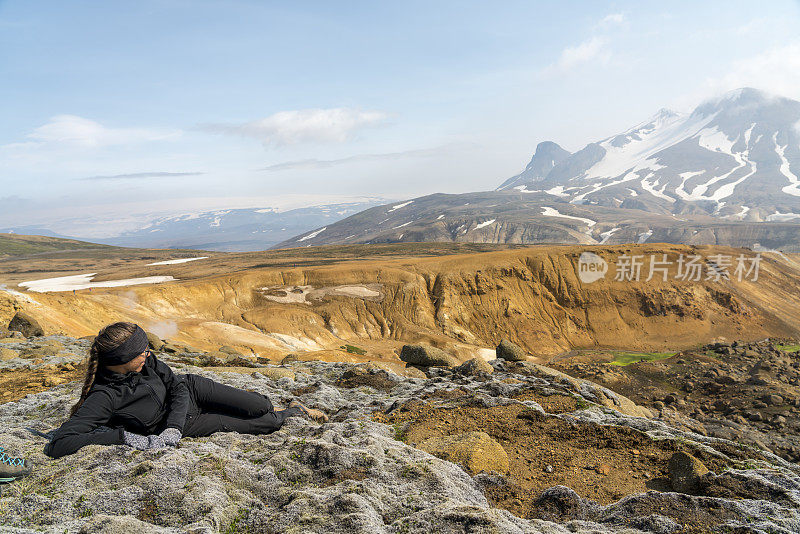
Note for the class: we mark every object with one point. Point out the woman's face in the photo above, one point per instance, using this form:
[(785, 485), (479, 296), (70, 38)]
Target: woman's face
[(135, 364)]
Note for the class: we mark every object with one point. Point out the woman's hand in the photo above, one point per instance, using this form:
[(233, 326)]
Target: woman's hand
[(171, 436), (156, 442), (137, 441), (153, 441)]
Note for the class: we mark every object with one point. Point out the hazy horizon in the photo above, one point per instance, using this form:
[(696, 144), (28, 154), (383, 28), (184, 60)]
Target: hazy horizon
[(119, 113)]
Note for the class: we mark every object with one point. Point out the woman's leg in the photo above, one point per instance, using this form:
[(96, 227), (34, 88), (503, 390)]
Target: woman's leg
[(205, 424), (218, 398)]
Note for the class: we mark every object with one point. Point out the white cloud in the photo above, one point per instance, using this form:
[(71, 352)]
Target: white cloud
[(613, 19), (78, 131), (334, 125), (775, 71), (591, 50), (389, 156), (137, 175)]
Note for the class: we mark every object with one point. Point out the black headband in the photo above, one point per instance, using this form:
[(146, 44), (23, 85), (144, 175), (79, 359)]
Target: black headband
[(127, 350)]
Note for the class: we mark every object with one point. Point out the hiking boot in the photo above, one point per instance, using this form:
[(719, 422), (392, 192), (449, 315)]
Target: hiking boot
[(312, 413), (13, 468)]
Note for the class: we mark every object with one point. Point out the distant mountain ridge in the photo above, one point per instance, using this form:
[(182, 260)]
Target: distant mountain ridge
[(228, 230), (715, 176), (548, 154)]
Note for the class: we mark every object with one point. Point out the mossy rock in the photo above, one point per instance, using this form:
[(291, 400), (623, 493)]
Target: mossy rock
[(289, 358), (475, 366), (26, 324), (511, 352), (426, 356), (685, 472), (476, 451), (276, 373), (43, 351), (169, 348), (154, 342)]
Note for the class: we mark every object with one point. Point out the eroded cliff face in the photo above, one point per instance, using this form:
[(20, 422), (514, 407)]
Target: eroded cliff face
[(533, 297)]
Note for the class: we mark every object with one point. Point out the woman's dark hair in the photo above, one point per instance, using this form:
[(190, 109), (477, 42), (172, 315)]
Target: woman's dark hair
[(109, 337)]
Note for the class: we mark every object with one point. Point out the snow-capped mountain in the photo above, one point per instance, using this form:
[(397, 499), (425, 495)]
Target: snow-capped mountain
[(239, 230), (548, 154), (725, 174), (736, 157)]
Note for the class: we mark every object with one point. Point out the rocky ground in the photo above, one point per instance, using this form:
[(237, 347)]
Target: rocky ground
[(739, 391), (499, 447)]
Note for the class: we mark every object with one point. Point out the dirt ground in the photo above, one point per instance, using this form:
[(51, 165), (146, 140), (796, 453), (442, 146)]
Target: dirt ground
[(602, 463), (14, 385), (748, 392)]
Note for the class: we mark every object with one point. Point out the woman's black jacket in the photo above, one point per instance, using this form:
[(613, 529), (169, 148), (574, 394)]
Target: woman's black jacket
[(143, 402)]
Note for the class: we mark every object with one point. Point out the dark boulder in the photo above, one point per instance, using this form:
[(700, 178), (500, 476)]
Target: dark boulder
[(26, 324)]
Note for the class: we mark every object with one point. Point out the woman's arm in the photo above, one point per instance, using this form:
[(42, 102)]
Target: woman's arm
[(76, 432), (177, 395)]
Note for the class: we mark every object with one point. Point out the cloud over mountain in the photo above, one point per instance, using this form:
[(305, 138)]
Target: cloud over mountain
[(334, 125)]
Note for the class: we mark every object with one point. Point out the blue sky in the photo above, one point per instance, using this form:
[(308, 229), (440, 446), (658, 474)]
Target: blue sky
[(118, 111)]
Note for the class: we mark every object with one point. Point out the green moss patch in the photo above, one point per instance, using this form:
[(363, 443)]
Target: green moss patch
[(626, 358)]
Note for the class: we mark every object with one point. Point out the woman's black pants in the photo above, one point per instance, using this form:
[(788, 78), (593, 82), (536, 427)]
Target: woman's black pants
[(215, 407)]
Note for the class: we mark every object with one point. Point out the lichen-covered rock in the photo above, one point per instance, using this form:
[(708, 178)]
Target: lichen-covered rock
[(26, 323), (426, 356), (221, 356), (114, 524), (685, 472), (511, 352), (42, 350), (289, 358), (276, 373), (154, 342), (476, 451), (353, 474), (170, 348), (230, 350), (475, 366)]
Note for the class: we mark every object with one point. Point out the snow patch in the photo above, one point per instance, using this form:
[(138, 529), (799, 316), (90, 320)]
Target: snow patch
[(685, 176), (312, 235), (485, 224), (794, 183), (552, 212), (83, 281), (777, 217), (716, 141), (747, 134), (651, 188), (644, 142), (557, 191), (355, 291), (644, 236), (174, 262), (404, 204), (607, 235)]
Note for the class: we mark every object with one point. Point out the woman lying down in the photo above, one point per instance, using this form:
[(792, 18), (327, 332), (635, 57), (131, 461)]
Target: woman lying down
[(147, 406)]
